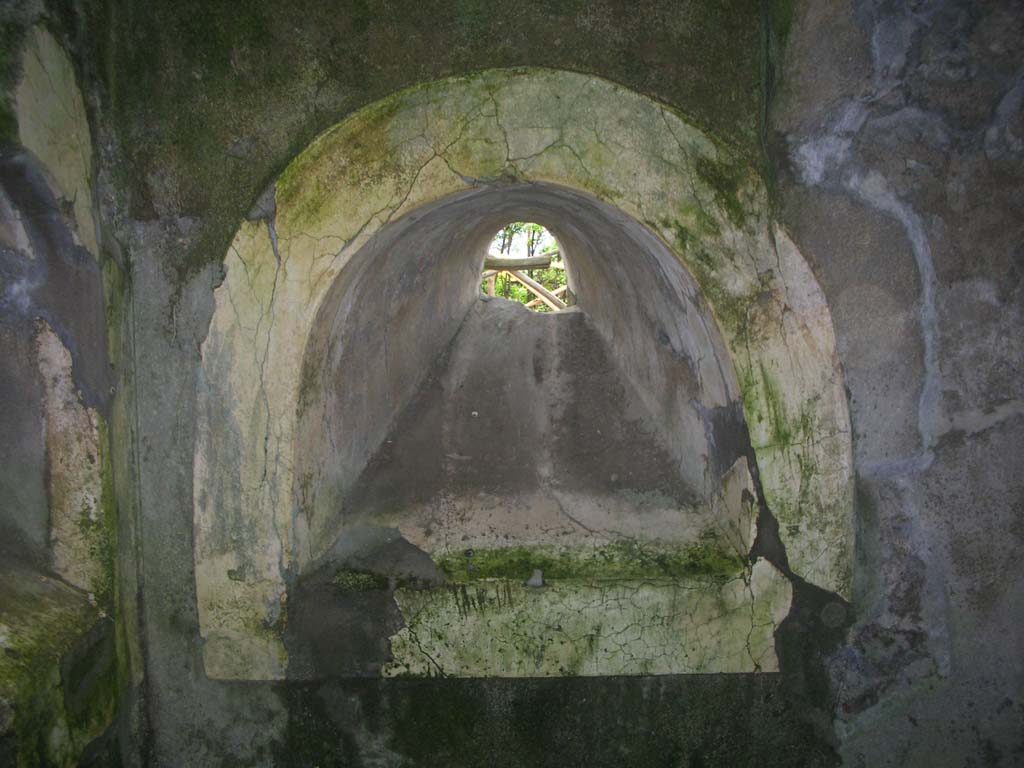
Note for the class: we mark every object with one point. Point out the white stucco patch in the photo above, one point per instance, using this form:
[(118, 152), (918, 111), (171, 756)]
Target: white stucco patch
[(74, 480)]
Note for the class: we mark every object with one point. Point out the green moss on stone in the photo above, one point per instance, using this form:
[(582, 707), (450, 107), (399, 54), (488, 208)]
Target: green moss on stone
[(765, 405), (116, 302), (89, 678), (41, 619), (358, 581), (737, 313), (363, 139), (106, 543), (775, 410), (626, 558), (502, 627), (100, 530), (724, 180)]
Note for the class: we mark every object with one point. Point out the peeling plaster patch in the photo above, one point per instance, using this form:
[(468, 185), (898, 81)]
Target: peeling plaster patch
[(816, 156), (501, 628), (52, 124), (18, 294), (826, 156), (74, 481)]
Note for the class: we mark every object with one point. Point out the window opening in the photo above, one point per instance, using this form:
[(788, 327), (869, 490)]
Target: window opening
[(524, 263)]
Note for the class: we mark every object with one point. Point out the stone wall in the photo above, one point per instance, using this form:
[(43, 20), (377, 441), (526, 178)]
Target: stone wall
[(59, 675), (897, 135), (890, 139), (330, 314)]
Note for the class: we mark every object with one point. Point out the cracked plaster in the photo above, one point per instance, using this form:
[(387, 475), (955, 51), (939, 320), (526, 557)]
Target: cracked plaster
[(585, 627), (72, 434), (449, 137)]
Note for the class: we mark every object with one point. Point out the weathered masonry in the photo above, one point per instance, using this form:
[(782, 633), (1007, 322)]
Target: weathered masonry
[(281, 486), (353, 288)]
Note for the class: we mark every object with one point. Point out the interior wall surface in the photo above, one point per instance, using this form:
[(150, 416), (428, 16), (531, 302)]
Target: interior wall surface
[(60, 682), (198, 155), (892, 137), (500, 446)]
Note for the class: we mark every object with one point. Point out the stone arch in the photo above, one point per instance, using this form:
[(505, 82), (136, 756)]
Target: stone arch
[(409, 292), (573, 138)]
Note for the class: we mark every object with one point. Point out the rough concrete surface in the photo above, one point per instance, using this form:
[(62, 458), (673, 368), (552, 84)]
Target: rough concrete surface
[(910, 134), (239, 271), (414, 164)]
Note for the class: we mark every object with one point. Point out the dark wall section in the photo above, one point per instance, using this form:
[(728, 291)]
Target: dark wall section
[(661, 722), (60, 667), (213, 99), (59, 673)]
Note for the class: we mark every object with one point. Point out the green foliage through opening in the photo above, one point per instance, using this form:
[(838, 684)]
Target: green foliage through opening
[(526, 240)]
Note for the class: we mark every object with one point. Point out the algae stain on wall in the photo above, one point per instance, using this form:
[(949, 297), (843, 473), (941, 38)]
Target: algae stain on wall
[(81, 533), (56, 712), (499, 627)]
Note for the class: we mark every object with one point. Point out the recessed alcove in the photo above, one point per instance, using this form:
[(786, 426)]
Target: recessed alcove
[(397, 476), (300, 471), (582, 469), (408, 309)]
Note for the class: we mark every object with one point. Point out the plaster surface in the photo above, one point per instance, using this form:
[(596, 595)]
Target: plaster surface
[(902, 185), (444, 139), (58, 670), (592, 627), (52, 125)]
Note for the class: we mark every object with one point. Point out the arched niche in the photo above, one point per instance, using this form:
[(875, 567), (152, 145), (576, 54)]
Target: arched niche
[(340, 297), (388, 324)]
